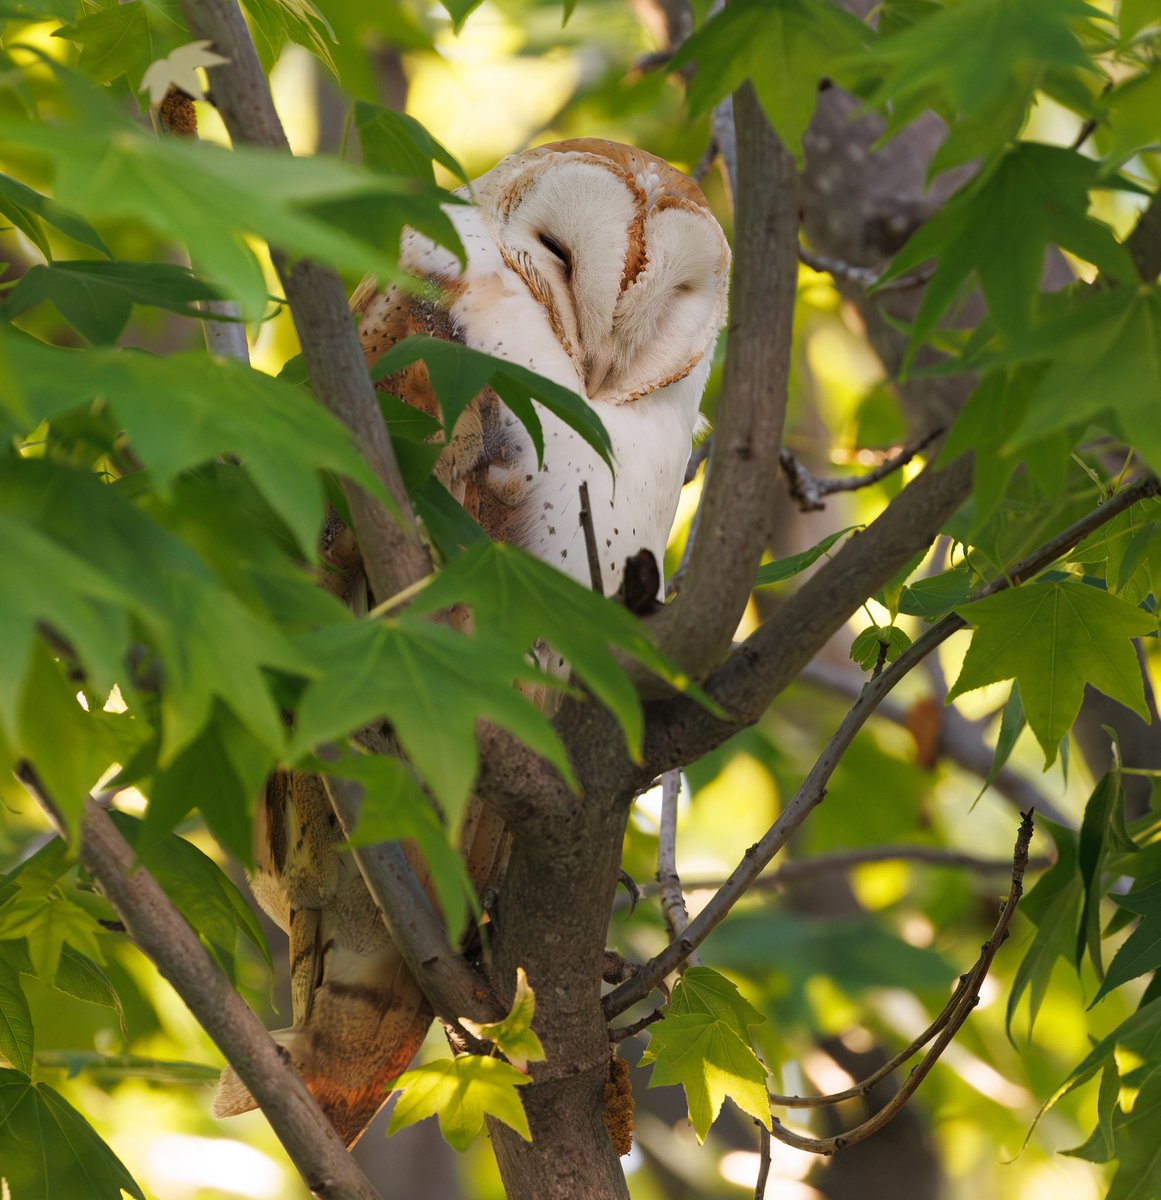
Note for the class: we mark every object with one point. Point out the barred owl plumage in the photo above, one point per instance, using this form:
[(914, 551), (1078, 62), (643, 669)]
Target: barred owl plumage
[(601, 267)]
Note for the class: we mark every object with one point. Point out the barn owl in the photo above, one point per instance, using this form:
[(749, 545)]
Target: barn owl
[(601, 267)]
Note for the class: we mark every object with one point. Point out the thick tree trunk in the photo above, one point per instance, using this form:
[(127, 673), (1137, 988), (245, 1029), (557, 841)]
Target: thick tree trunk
[(553, 921)]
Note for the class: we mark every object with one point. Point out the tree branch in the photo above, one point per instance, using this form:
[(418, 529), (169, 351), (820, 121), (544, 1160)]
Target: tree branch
[(163, 934), (813, 789), (393, 555), (808, 490), (738, 503), (961, 741), (669, 882), (804, 870), (964, 999), (679, 730), (449, 983)]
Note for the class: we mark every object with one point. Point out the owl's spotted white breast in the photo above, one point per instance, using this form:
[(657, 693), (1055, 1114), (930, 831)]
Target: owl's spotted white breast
[(602, 268)]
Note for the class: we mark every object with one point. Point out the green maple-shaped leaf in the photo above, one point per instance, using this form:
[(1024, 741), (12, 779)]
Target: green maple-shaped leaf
[(515, 595), (784, 47), (49, 1151), (1102, 832), (1136, 14), (1141, 951), (1132, 114), (1134, 1144), (123, 39), (708, 1057), (514, 1034), (200, 889), (16, 1033), (399, 144), (207, 642), (1053, 638), (49, 584), (998, 228), (1105, 369), (27, 208), (979, 63), (187, 409), (704, 990), (76, 976), (97, 297), (879, 644), (463, 1091), (208, 198), (433, 684), (40, 910), (1134, 1041)]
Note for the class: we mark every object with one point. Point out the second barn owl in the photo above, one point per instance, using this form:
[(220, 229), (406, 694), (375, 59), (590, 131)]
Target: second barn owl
[(601, 267)]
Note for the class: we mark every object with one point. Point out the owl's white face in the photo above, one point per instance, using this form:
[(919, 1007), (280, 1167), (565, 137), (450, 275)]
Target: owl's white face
[(621, 250)]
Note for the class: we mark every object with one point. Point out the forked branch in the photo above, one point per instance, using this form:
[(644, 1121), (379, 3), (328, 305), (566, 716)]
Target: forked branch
[(808, 490), (813, 789)]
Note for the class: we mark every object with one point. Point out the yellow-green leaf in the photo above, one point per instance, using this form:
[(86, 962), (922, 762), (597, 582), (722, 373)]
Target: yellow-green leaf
[(462, 1091)]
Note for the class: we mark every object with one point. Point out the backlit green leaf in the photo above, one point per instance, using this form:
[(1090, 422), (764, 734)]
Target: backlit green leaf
[(997, 229), (518, 597), (514, 1035), (1053, 906), (97, 297), (459, 373), (463, 1091), (711, 1061), (1054, 638), (433, 684)]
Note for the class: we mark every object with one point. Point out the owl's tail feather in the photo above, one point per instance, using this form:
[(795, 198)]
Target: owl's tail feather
[(347, 1075)]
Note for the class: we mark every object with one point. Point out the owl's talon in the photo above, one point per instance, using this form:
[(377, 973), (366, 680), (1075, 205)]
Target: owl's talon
[(630, 885)]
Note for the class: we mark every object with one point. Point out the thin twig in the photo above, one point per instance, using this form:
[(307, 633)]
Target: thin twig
[(631, 1030), (961, 741), (163, 934), (808, 490), (946, 1025), (813, 789), (700, 454), (860, 278), (586, 522), (763, 1161), (672, 901), (803, 870)]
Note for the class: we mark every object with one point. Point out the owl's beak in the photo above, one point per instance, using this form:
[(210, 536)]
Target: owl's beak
[(597, 367)]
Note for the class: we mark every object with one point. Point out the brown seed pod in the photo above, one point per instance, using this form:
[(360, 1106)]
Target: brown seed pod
[(619, 1105), (178, 114)]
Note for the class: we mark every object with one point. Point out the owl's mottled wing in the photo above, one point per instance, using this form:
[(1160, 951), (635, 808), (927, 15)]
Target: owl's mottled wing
[(488, 462), (359, 1018)]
